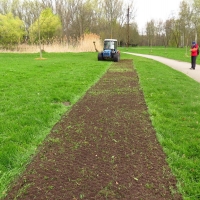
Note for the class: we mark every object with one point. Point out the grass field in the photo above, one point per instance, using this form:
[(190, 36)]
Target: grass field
[(173, 101), (181, 54), (32, 93)]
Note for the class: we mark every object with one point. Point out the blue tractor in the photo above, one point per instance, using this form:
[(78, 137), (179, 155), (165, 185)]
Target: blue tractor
[(110, 51)]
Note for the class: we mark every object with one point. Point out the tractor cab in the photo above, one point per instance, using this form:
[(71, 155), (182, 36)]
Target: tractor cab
[(110, 44)]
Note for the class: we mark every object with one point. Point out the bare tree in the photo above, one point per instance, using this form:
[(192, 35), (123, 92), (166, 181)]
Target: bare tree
[(175, 30), (159, 32), (150, 31), (167, 31), (185, 16), (196, 17), (5, 6), (112, 11)]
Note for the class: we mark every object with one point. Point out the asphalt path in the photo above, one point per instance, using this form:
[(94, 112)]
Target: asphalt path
[(183, 67)]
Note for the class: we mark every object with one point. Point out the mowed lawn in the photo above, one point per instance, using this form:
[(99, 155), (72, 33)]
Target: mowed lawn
[(173, 100), (33, 94), (181, 54)]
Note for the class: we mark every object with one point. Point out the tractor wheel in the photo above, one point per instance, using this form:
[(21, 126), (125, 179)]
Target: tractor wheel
[(100, 57), (116, 57)]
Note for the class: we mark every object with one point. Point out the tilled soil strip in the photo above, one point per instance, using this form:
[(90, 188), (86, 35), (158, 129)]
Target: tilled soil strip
[(104, 148)]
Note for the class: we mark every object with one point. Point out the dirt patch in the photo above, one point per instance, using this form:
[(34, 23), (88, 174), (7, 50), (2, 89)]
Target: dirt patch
[(104, 148)]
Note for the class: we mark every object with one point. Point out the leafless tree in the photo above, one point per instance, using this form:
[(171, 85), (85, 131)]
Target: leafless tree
[(185, 16), (196, 17), (150, 32)]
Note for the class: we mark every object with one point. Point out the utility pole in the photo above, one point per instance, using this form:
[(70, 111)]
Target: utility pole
[(128, 17)]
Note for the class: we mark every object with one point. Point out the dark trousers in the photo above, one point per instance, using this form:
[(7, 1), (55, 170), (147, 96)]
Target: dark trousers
[(193, 61)]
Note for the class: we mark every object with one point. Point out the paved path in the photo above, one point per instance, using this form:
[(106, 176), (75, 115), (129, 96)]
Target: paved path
[(183, 67)]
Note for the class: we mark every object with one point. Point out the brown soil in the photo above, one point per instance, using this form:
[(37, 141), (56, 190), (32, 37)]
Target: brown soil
[(104, 148)]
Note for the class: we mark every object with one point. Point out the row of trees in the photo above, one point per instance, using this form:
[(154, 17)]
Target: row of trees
[(70, 19), (178, 30), (31, 20)]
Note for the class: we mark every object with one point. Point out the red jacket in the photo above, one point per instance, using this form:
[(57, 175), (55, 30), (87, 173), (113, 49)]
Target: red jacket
[(194, 50)]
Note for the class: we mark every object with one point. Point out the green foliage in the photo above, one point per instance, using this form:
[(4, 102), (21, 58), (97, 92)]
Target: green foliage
[(47, 25), (11, 30)]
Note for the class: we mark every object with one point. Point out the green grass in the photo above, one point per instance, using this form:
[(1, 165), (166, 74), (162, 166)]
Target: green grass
[(181, 54), (32, 93), (173, 101)]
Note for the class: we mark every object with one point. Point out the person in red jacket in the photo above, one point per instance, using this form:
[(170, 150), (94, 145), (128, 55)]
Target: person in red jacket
[(194, 55)]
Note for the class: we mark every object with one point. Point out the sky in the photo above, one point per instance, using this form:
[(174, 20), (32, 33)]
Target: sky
[(154, 9)]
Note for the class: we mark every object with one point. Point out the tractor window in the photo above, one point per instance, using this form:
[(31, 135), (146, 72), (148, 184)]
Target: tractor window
[(109, 45), (115, 44)]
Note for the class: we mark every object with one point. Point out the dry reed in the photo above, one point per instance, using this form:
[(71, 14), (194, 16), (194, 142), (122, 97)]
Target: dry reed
[(87, 43)]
